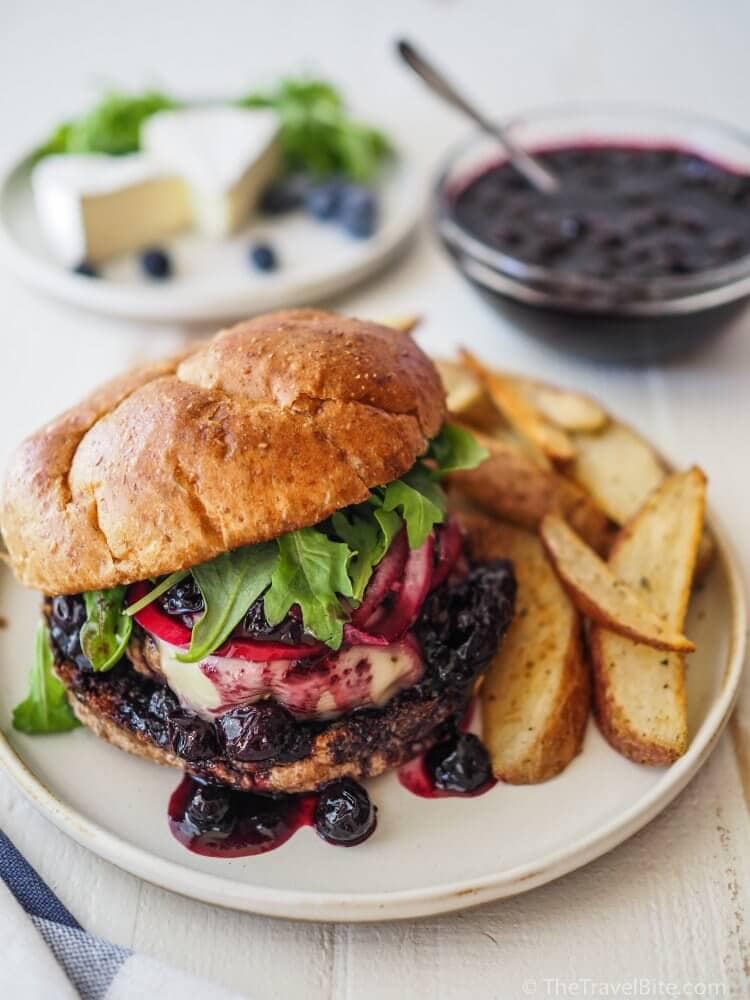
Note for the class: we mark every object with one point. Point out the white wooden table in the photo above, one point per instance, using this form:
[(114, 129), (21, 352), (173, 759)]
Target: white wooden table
[(671, 906)]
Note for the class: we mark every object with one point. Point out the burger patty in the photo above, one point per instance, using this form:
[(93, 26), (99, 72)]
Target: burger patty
[(458, 630)]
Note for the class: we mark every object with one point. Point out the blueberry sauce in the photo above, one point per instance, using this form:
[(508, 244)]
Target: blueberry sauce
[(623, 211), (218, 822), (459, 765), (236, 824)]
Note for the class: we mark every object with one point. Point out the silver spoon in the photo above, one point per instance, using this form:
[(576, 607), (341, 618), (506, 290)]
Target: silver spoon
[(537, 175)]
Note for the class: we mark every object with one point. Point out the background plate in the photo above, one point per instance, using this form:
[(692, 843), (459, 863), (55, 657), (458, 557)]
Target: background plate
[(213, 279), (427, 856)]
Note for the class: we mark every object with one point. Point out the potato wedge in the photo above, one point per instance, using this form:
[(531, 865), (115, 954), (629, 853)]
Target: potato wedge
[(466, 397), (571, 410), (503, 434), (519, 412), (511, 485), (617, 468), (639, 692), (706, 554), (535, 696), (600, 595), (406, 323)]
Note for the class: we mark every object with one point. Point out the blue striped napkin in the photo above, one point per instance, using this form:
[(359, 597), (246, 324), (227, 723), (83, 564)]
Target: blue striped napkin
[(46, 953)]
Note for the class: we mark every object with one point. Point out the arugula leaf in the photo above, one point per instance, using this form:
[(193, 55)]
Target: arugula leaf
[(311, 572), (317, 134), (230, 583), (454, 449), (46, 709), (56, 143), (420, 500), (111, 126), (369, 539), (158, 590), (105, 634)]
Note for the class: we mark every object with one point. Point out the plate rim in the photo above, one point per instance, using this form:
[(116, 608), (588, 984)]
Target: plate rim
[(150, 305), (425, 901)]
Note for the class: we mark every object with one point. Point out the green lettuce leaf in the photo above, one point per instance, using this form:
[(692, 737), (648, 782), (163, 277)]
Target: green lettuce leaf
[(317, 134), (369, 538), (46, 709), (111, 126), (420, 501), (312, 572), (105, 634), (454, 449), (230, 584)]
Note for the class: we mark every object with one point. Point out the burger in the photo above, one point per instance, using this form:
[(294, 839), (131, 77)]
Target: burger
[(249, 566)]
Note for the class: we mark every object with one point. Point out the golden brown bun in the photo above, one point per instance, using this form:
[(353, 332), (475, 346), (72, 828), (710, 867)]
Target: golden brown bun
[(270, 426)]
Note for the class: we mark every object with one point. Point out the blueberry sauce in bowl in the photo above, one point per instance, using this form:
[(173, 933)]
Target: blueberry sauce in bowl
[(623, 212), (643, 250)]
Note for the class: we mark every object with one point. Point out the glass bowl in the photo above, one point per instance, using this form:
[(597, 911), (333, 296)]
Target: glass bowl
[(612, 318)]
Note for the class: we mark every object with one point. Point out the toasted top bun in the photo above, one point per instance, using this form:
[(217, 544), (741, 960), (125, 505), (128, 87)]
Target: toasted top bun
[(270, 426)]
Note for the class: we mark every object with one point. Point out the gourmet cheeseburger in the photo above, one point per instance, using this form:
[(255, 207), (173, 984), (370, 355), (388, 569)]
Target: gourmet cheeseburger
[(250, 567)]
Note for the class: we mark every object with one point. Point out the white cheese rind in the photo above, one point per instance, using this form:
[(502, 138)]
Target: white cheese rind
[(226, 155), (93, 206)]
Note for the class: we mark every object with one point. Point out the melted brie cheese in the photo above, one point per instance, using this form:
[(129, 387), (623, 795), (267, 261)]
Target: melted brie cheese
[(356, 677)]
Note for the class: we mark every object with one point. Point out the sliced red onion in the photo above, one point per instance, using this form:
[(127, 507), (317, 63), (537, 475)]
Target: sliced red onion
[(356, 637), (450, 543), (414, 589), (258, 650), (387, 573), (156, 621)]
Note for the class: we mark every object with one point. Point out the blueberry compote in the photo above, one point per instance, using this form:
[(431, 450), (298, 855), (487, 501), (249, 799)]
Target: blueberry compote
[(457, 765), (622, 212), (219, 822), (185, 601), (67, 617)]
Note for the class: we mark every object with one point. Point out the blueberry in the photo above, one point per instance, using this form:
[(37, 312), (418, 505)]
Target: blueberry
[(255, 624), (461, 625), (210, 810), (344, 814), (322, 200), (256, 732), (460, 764), (68, 616), (86, 269), (358, 211), (263, 257), (162, 703), (284, 195), (190, 737), (184, 598), (156, 263)]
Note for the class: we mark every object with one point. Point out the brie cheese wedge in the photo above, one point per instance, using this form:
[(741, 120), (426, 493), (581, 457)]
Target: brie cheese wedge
[(226, 155), (92, 206)]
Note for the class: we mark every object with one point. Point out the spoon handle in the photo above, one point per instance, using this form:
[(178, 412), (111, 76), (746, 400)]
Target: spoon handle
[(537, 175)]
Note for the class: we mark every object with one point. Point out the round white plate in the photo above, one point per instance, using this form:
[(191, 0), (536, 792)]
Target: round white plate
[(213, 278), (427, 856)]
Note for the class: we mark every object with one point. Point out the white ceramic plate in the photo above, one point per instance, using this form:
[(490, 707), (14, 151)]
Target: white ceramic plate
[(213, 279), (427, 856)]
